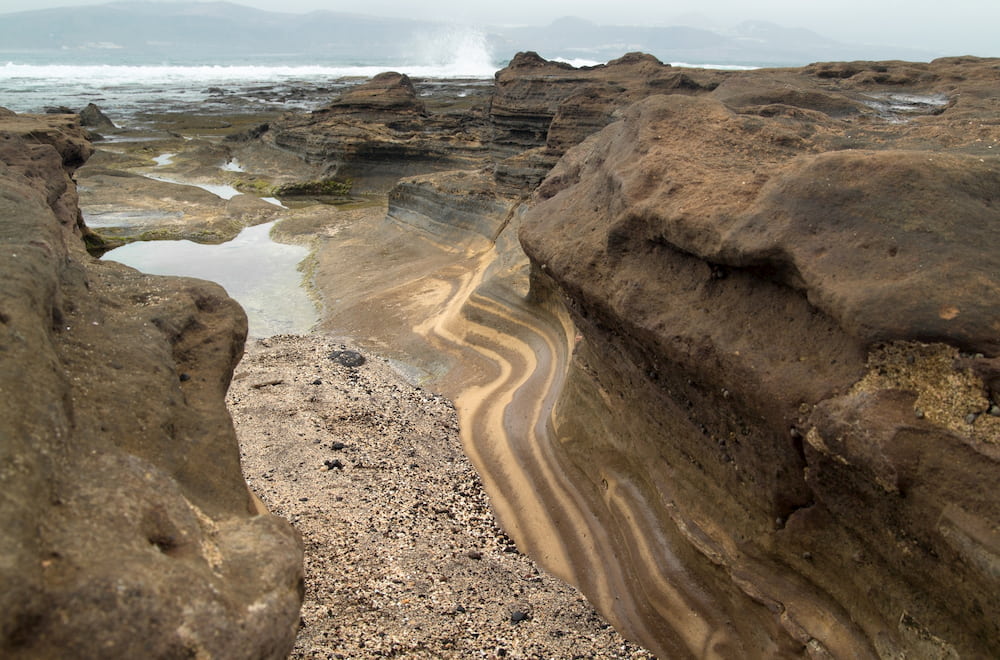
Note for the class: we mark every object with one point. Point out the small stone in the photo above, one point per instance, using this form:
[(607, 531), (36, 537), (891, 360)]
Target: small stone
[(474, 554), (337, 446), (971, 418), (517, 616), (918, 413), (348, 358), (335, 463), (995, 410), (317, 382), (303, 499), (185, 377)]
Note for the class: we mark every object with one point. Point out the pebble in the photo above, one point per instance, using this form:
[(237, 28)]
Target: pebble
[(348, 358), (385, 572)]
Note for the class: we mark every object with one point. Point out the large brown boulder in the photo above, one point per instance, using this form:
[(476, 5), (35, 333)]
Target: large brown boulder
[(788, 295), (128, 528)]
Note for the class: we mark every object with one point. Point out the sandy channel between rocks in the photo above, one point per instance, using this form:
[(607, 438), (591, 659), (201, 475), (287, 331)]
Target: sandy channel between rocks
[(403, 554)]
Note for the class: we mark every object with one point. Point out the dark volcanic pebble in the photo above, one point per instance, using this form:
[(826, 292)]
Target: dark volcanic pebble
[(348, 358)]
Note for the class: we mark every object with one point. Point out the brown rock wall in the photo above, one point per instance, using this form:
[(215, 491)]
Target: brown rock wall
[(772, 284), (128, 528)]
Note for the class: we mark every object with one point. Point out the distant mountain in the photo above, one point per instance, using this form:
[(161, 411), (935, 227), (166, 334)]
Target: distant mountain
[(194, 31), (755, 42), (223, 32)]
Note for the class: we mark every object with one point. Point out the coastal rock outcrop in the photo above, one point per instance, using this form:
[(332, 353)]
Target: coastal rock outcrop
[(776, 295), (375, 133), (93, 117), (128, 528), (457, 207), (787, 295), (539, 108)]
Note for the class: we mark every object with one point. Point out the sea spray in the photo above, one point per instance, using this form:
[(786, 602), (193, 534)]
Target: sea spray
[(456, 49)]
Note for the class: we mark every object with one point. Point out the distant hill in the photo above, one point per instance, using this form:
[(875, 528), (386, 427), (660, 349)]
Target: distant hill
[(185, 32), (191, 31)]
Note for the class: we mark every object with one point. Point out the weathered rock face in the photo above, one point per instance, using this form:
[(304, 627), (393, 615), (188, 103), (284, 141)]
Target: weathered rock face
[(128, 529), (376, 133), (382, 130), (789, 297), (540, 108), (457, 208)]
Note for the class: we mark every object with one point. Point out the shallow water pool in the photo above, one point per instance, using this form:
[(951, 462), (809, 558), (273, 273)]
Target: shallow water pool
[(261, 274)]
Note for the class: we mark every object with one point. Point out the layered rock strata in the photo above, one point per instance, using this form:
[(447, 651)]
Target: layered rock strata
[(128, 528), (539, 109), (787, 294), (767, 302), (375, 133), (458, 207)]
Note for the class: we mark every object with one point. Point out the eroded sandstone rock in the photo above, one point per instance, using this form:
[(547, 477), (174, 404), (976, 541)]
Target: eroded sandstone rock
[(787, 293), (375, 133), (128, 529)]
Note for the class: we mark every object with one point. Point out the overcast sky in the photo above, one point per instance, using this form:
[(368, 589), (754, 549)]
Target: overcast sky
[(953, 26)]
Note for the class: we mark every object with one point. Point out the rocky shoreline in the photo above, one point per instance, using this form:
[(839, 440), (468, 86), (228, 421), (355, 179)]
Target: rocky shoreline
[(722, 346)]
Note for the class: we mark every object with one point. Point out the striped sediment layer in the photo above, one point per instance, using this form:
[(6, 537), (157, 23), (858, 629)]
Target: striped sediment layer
[(717, 397), (469, 324)]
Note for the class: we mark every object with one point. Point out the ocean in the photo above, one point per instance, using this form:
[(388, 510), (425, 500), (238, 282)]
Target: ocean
[(125, 85)]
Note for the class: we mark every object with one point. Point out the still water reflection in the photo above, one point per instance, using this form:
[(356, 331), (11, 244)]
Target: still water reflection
[(260, 274)]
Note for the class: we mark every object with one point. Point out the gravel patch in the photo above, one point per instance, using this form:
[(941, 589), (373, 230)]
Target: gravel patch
[(403, 555)]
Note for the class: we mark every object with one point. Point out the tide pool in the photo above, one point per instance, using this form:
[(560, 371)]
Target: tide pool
[(260, 274)]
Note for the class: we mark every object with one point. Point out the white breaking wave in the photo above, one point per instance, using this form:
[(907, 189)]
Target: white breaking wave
[(131, 88), (722, 67), (578, 62), (111, 74), (461, 50)]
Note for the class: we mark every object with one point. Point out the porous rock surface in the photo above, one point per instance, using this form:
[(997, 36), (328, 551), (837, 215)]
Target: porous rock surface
[(128, 528), (788, 293)]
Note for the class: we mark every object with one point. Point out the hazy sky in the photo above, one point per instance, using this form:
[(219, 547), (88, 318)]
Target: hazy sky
[(953, 26)]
